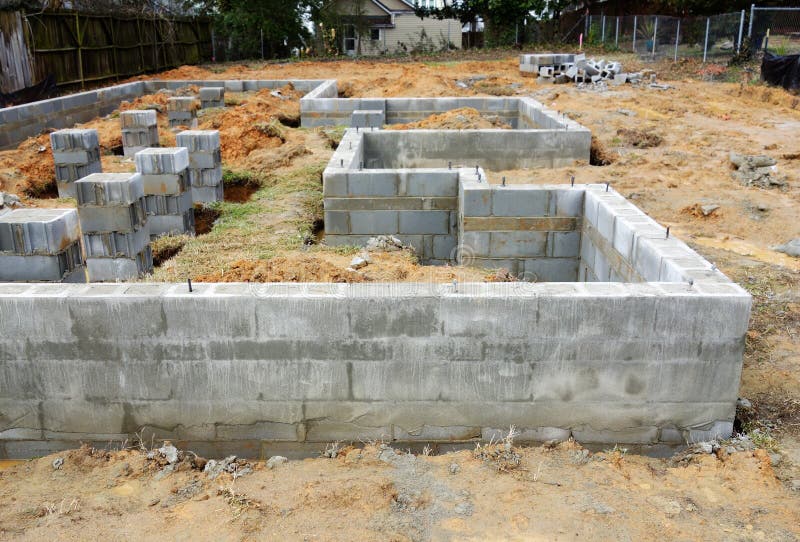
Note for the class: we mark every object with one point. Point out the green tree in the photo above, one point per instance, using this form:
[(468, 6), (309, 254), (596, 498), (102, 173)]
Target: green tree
[(500, 17), (241, 23)]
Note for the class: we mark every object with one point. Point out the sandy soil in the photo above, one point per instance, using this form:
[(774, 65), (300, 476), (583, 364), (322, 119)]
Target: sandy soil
[(557, 492)]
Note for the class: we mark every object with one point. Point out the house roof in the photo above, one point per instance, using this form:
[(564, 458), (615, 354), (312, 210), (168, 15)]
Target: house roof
[(388, 6)]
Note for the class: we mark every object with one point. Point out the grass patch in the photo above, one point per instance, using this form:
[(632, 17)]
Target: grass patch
[(281, 215)]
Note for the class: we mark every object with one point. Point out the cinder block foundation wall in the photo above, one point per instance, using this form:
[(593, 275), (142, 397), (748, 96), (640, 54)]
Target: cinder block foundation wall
[(532, 231), (510, 149), (249, 369), (20, 122)]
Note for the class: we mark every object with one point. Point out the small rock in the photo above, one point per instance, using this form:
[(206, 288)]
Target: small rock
[(276, 460), (384, 243), (169, 452), (762, 208), (775, 459), (154, 502), (277, 94), (626, 112), (358, 262), (795, 485), (708, 209), (792, 248), (741, 402), (454, 468), (58, 462), (706, 447), (464, 509), (9, 200)]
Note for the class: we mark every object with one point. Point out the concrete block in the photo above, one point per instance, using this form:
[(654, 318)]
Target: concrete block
[(444, 247), (171, 224), (518, 244), (115, 245), (550, 270), (109, 189), (171, 185), (205, 160), (360, 183), (168, 205), (38, 231), (474, 243), (208, 194), (511, 201), (113, 218), (374, 222), (433, 183), (74, 140), (476, 200), (212, 97), (205, 177), (138, 119), (66, 266), (198, 140), (160, 161), (424, 222), (564, 244), (116, 269), (337, 222), (76, 156), (368, 118), (182, 104)]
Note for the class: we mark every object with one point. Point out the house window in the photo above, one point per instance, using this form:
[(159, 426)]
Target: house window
[(375, 34)]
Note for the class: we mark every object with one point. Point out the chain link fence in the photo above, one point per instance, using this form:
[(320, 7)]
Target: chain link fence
[(775, 28), (713, 38)]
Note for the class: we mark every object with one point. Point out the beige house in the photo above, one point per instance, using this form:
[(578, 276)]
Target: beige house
[(390, 26)]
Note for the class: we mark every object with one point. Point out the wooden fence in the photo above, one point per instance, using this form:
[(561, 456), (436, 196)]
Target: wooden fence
[(83, 49)]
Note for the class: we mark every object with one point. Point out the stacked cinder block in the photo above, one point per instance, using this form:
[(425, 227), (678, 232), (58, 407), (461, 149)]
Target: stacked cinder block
[(205, 164), (40, 245), (114, 226), (76, 154), (139, 130), (182, 111), (168, 194), (212, 97)]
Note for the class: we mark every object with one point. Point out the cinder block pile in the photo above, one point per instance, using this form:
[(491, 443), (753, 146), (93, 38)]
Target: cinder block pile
[(205, 164), (182, 111), (168, 194), (114, 226), (139, 130), (565, 68), (212, 97), (76, 154), (40, 245)]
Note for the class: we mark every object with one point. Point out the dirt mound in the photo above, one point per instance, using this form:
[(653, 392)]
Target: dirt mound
[(465, 118), (329, 266), (254, 124)]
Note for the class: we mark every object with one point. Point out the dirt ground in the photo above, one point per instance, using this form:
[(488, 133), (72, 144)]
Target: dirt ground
[(666, 150), (553, 492)]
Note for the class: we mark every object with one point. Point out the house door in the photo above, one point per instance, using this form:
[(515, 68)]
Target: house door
[(350, 39)]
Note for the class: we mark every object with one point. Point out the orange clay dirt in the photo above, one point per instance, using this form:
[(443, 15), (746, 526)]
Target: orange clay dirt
[(554, 492), (465, 118)]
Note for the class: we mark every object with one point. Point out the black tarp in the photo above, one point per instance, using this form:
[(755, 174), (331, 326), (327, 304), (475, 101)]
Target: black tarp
[(781, 70)]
